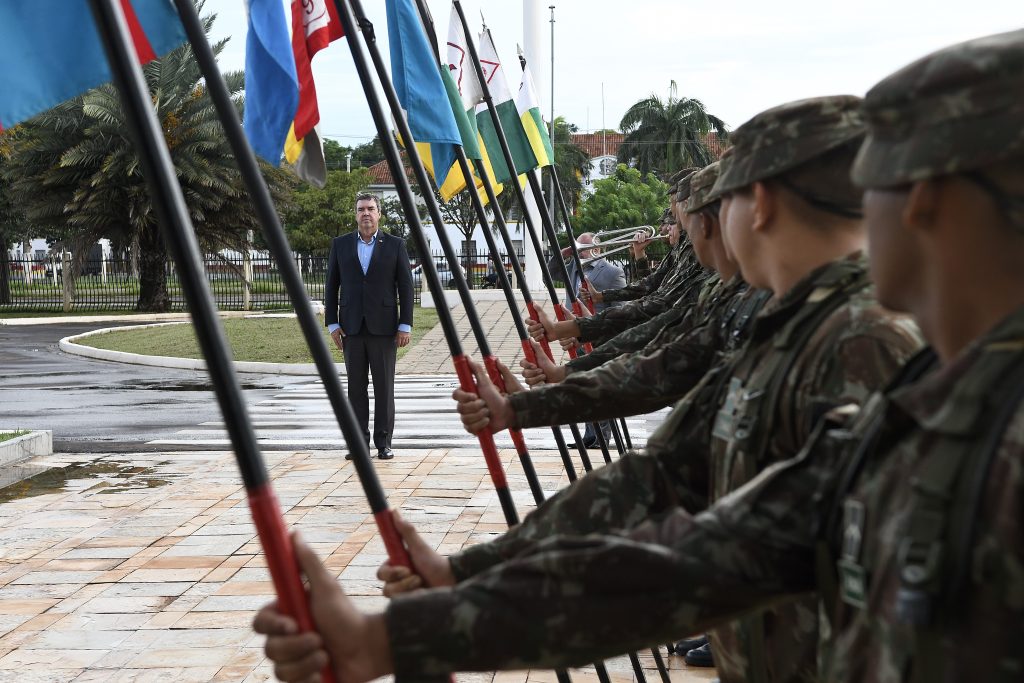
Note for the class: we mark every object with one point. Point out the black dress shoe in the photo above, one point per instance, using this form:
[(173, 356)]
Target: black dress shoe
[(700, 656), (687, 644), (385, 453), (348, 456)]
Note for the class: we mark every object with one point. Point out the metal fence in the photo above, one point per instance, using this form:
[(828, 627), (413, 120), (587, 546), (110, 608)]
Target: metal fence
[(237, 282)]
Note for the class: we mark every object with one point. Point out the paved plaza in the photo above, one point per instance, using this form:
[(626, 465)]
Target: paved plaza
[(145, 566)]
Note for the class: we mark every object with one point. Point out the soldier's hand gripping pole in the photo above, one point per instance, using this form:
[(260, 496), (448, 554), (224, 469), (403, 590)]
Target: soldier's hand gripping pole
[(172, 215), (357, 33)]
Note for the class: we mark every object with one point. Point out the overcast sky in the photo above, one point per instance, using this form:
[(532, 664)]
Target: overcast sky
[(738, 57)]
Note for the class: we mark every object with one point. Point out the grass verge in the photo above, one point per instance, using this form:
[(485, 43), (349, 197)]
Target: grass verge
[(265, 340), (7, 436)]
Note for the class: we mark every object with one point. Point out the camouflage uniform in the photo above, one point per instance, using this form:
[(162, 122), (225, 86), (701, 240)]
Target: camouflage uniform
[(679, 288), (925, 572), (663, 372)]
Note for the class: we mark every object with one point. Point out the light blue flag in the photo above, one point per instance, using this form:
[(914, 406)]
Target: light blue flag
[(271, 86), (50, 50), (419, 86)]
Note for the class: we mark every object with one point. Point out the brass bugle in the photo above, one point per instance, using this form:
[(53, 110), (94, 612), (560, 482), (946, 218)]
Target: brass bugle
[(617, 249), (621, 235)]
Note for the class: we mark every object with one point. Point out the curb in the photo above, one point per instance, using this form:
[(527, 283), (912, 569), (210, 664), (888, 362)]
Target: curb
[(38, 442), (70, 345)]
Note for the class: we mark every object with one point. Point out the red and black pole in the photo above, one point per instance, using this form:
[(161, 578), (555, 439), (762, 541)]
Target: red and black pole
[(466, 379), (527, 219), (172, 214), (502, 275)]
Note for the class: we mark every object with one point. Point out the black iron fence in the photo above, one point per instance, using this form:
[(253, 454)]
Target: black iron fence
[(237, 282)]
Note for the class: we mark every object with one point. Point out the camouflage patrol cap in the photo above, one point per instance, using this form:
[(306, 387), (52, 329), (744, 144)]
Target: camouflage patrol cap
[(701, 184), (955, 110), (667, 217), (683, 185), (784, 137)]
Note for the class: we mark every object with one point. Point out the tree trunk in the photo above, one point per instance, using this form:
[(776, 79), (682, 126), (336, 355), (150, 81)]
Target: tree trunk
[(152, 258)]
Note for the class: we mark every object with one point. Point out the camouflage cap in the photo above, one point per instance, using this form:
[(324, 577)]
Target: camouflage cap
[(676, 178), (683, 185), (667, 217), (784, 137), (957, 109), (701, 184)]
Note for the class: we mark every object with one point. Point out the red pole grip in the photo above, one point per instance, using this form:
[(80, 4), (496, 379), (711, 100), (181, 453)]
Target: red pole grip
[(468, 383), (543, 340), (281, 562), (590, 302), (491, 363), (397, 554), (560, 314)]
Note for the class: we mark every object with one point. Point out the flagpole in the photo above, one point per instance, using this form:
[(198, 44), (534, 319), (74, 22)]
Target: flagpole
[(172, 213), (538, 197), (499, 224), (277, 243), (363, 28)]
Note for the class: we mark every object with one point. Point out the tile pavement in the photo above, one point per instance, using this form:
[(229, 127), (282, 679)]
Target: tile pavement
[(146, 567)]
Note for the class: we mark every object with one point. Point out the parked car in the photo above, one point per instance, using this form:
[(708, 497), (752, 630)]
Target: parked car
[(447, 279)]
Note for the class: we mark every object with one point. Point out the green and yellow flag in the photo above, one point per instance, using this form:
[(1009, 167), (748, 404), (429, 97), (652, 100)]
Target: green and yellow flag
[(528, 106)]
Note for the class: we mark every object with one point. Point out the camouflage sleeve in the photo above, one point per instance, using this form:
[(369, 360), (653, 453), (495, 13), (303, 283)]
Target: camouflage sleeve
[(628, 341), (573, 599), (616, 497), (642, 287), (612, 321), (630, 385), (641, 268)]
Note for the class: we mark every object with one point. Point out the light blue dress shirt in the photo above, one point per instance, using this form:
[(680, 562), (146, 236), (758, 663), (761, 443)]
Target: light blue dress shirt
[(364, 251)]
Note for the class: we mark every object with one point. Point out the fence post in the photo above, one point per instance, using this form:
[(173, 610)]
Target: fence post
[(66, 274), (247, 272), (103, 269)]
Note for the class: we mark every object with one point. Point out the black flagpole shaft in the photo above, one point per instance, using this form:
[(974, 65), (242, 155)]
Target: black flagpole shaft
[(466, 379), (503, 281), (172, 215), (514, 182), (278, 245), (507, 154)]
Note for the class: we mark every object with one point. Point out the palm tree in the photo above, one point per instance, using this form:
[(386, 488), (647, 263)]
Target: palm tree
[(665, 135), (77, 173)]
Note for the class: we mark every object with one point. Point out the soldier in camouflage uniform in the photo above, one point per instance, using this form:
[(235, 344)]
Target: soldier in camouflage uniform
[(907, 523), (672, 287)]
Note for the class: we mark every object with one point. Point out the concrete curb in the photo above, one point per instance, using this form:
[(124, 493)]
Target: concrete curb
[(70, 345), (38, 442)]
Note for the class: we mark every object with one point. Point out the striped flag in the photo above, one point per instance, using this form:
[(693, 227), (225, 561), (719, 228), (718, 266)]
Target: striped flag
[(271, 83), (528, 106), (518, 142), (51, 50), (315, 25)]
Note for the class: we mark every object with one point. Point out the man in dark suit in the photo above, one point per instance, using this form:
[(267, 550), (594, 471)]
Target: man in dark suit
[(368, 310)]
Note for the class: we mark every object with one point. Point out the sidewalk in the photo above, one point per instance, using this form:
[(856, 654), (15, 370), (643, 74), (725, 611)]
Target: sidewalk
[(146, 567)]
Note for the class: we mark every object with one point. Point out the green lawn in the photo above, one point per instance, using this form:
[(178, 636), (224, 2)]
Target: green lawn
[(268, 340), (7, 436)]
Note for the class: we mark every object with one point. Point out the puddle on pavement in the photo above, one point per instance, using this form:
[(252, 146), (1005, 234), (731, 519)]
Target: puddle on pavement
[(102, 476), (167, 385)]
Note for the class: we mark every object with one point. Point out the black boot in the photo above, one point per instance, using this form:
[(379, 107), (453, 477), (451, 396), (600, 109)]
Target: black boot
[(700, 656), (687, 644)]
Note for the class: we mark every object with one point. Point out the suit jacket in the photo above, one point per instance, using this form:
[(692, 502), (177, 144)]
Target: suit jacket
[(601, 273), (382, 297)]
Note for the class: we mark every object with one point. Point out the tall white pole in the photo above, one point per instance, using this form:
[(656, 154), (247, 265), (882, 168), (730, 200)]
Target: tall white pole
[(534, 49)]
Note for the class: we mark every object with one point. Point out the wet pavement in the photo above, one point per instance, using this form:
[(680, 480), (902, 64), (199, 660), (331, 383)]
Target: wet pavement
[(94, 405)]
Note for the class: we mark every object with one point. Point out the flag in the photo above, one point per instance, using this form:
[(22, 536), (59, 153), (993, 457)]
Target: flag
[(315, 25), (528, 106), (518, 143), (271, 83), (51, 50), (419, 86)]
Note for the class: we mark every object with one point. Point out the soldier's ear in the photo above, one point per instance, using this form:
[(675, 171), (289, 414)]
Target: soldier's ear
[(922, 207), (765, 201)]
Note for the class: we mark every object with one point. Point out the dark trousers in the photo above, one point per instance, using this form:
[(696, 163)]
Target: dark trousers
[(374, 354)]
